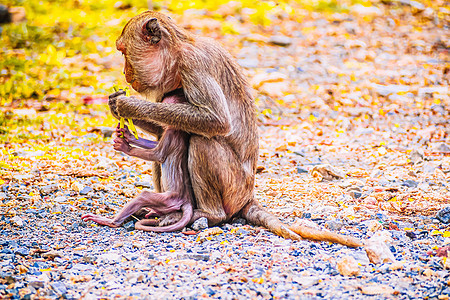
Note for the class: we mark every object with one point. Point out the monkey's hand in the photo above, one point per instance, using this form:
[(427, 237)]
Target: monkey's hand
[(100, 220), (125, 133), (120, 144), (113, 102)]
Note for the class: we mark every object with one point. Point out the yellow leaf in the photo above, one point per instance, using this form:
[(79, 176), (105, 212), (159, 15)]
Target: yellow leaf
[(446, 234), (436, 232)]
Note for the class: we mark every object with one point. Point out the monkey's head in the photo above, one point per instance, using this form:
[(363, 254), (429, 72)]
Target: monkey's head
[(150, 43)]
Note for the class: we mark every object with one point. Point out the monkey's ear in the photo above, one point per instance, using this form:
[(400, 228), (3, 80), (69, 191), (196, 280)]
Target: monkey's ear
[(152, 31)]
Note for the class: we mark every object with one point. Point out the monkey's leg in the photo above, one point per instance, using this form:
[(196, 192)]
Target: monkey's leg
[(218, 172), (222, 184), (160, 202), (151, 225)]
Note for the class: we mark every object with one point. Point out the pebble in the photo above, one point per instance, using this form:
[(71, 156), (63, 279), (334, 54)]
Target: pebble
[(280, 40), (334, 225), (444, 215), (347, 266), (200, 224), (48, 189), (129, 226), (17, 221), (85, 190), (376, 289), (144, 184)]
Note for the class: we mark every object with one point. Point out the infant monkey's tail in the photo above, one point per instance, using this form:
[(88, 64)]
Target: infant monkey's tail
[(257, 215), (187, 211)]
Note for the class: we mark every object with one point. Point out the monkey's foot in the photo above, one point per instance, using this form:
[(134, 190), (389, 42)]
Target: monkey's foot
[(169, 219), (145, 213), (100, 220)]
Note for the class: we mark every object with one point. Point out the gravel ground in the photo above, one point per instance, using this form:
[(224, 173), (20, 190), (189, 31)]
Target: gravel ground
[(374, 108), (57, 255)]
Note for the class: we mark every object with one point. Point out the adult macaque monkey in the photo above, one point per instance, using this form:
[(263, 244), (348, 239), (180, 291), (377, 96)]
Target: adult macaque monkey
[(219, 115)]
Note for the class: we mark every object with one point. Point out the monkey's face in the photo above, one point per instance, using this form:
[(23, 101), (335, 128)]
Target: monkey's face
[(145, 43)]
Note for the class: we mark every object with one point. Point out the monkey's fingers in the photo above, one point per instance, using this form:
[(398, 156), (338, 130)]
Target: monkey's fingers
[(151, 214), (118, 93)]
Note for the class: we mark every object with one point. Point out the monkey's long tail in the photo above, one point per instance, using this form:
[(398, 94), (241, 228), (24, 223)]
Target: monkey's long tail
[(257, 215), (187, 211)]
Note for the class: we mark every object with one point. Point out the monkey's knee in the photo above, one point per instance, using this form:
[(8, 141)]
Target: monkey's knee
[(143, 198)]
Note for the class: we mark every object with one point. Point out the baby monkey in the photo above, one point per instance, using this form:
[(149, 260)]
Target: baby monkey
[(171, 152)]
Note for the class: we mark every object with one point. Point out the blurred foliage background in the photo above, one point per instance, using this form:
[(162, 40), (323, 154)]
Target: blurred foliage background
[(64, 54), (61, 42)]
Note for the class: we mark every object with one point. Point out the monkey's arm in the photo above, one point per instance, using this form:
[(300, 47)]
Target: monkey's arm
[(205, 114)]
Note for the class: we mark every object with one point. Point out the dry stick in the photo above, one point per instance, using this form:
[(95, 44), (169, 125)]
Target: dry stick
[(325, 236)]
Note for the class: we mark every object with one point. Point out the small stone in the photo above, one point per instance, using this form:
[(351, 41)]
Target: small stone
[(326, 172), (376, 289), (385, 90), (195, 256), (85, 190), (200, 224), (374, 226), (411, 235), (355, 194), (106, 131), (301, 170), (347, 266), (417, 5), (360, 256), (410, 183), (47, 189), (76, 186), (444, 147), (89, 259), (248, 63), (334, 225), (59, 288), (397, 265), (22, 251), (239, 222), (37, 284), (280, 40), (129, 226), (60, 199), (416, 156), (444, 215), (366, 10), (51, 254), (443, 251), (17, 221), (377, 250), (144, 184), (306, 281)]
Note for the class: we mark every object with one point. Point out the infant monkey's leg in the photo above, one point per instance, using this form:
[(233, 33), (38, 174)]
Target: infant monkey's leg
[(162, 203)]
